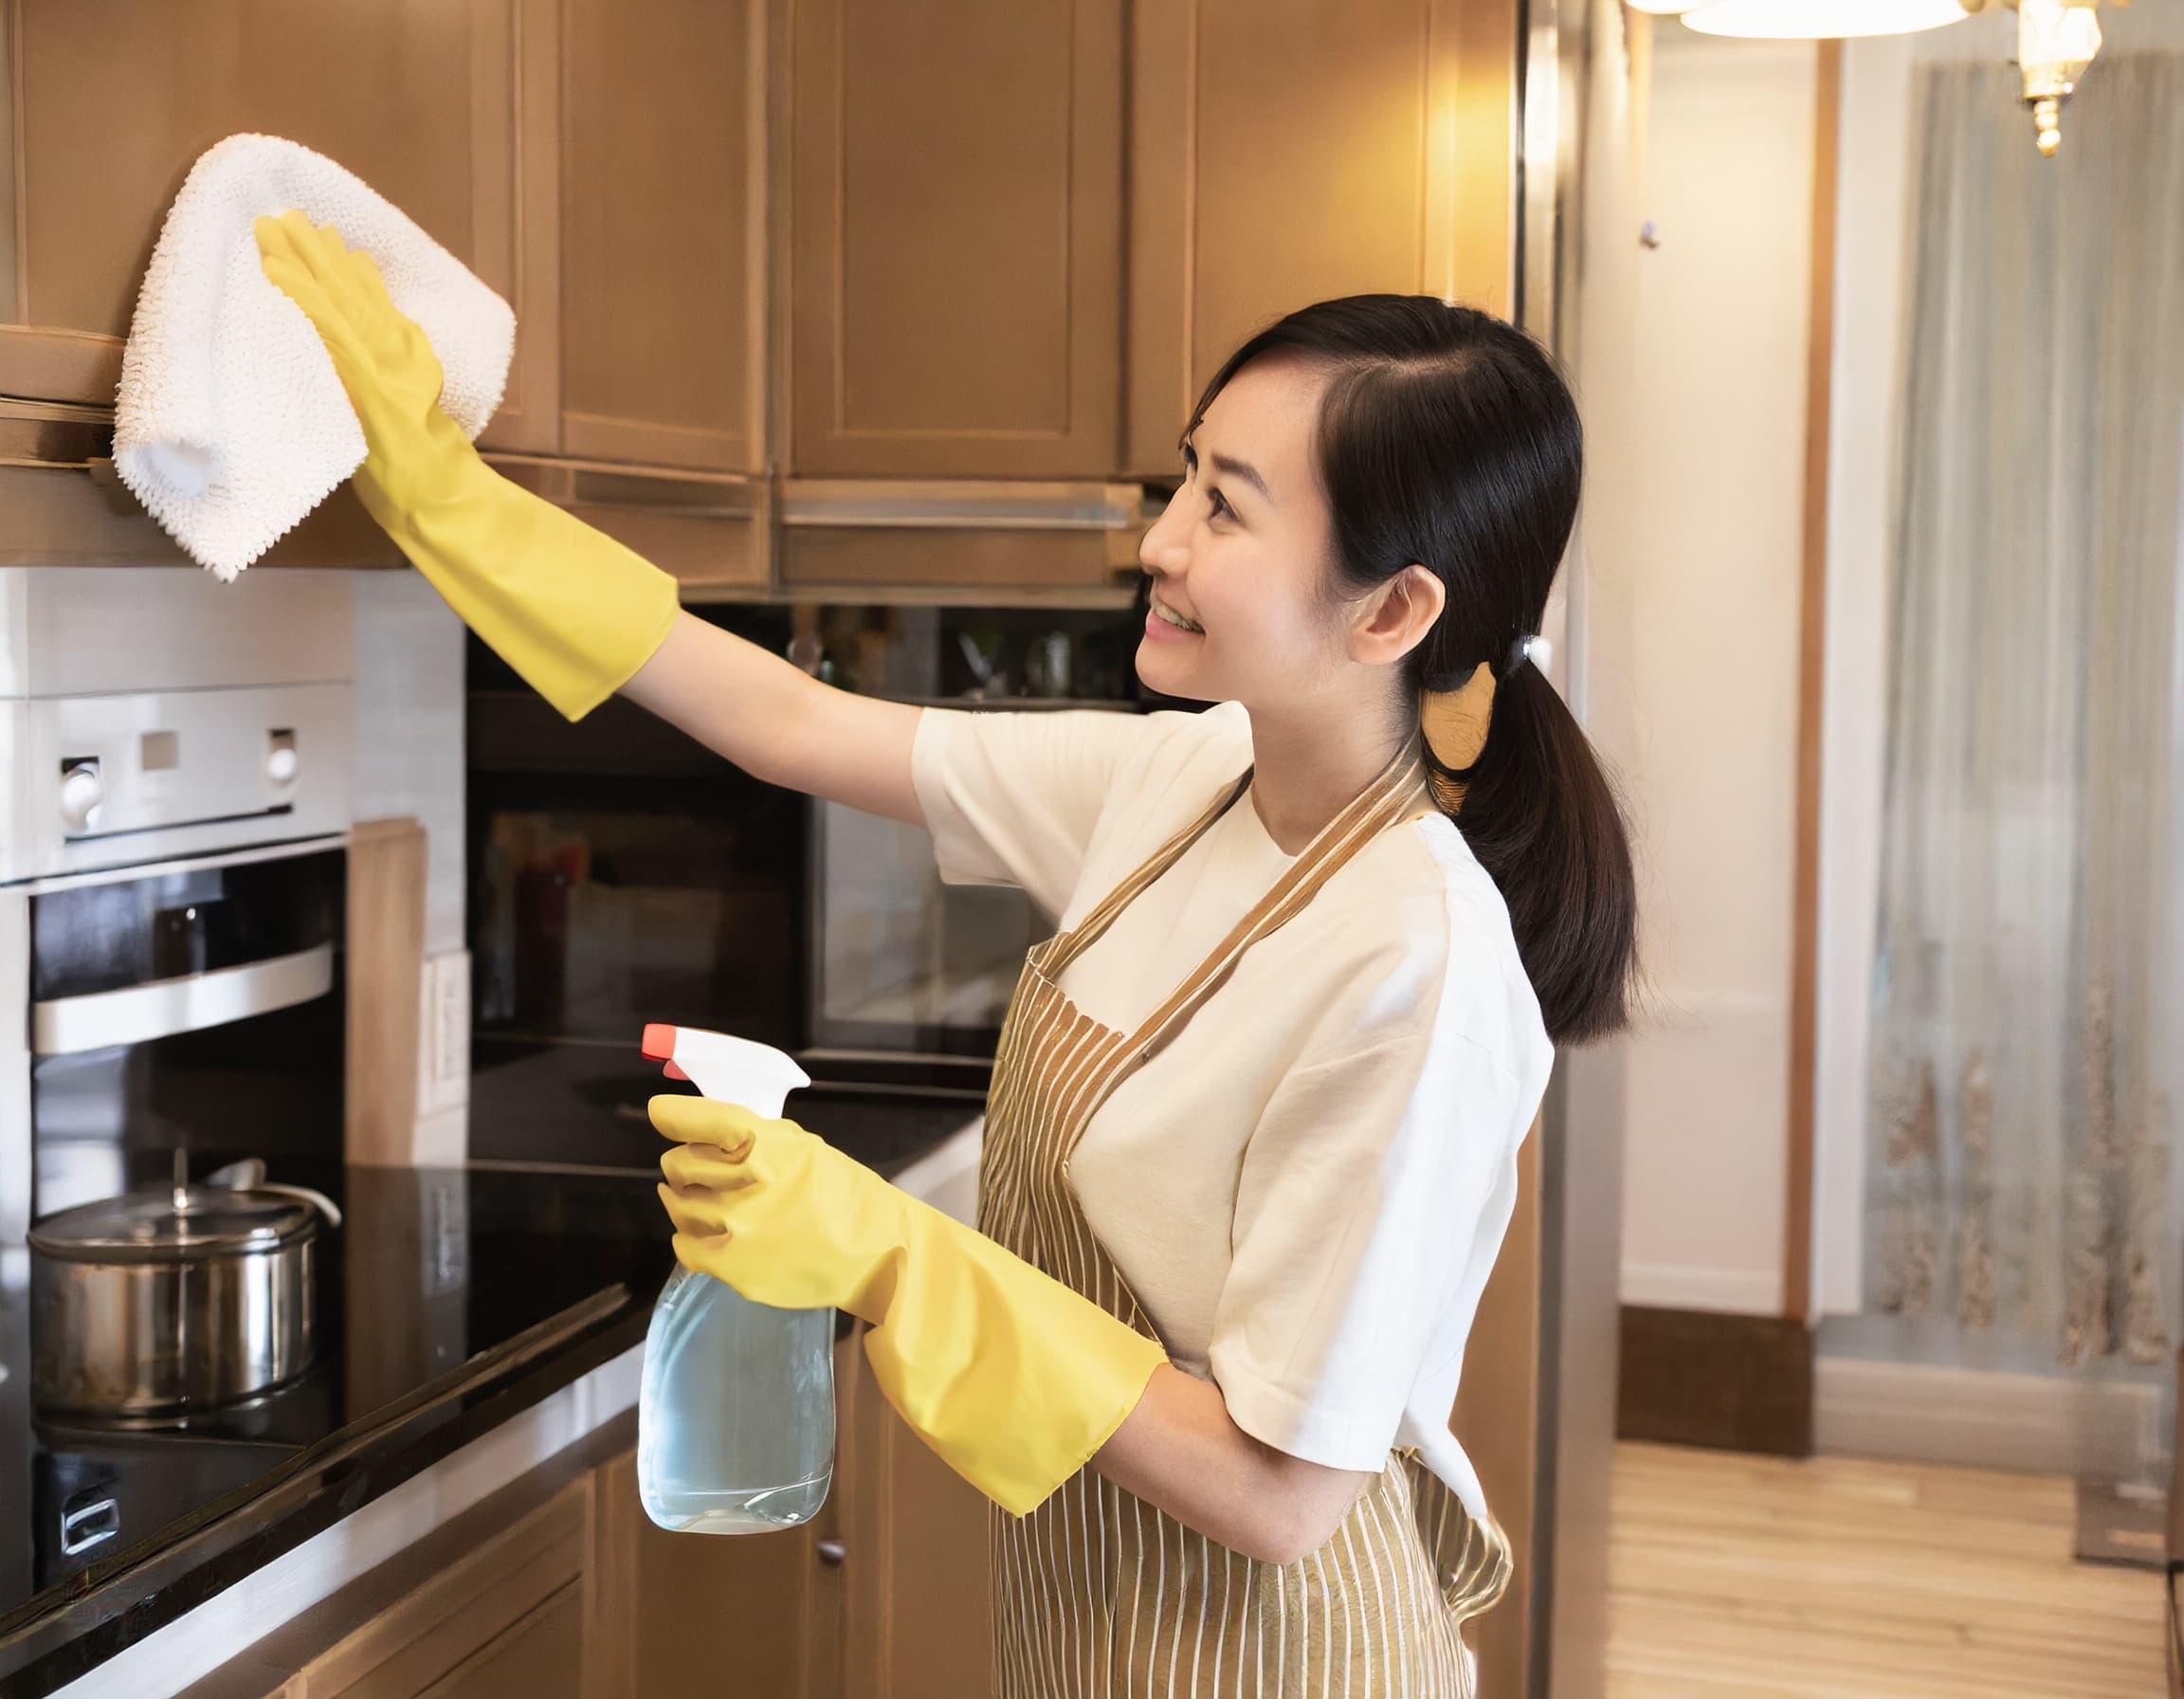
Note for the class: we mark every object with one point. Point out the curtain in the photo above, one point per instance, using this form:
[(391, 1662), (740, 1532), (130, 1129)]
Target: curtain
[(2025, 1017)]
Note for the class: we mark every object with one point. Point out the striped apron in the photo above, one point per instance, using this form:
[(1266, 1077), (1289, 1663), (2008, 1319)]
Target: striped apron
[(1096, 1593)]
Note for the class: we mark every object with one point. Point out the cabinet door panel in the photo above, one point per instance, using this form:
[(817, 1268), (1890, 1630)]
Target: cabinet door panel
[(439, 1627), (917, 1576), (1286, 151), (719, 1615), (541, 1657), (662, 236), (955, 259), (111, 101)]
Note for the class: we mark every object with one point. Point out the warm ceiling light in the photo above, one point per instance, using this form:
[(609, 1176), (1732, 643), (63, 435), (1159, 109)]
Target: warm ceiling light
[(2056, 42), (1821, 20)]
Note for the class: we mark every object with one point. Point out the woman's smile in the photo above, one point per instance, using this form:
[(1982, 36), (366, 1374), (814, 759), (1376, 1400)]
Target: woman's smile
[(1164, 625)]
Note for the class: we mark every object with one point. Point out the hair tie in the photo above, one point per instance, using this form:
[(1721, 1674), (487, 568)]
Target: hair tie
[(1454, 718), (1534, 648)]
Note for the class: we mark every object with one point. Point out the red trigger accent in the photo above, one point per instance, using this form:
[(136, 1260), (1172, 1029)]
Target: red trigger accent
[(658, 1045), (675, 1073)]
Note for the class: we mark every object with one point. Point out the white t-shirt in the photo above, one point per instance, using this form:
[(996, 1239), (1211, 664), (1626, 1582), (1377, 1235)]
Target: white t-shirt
[(1306, 1186)]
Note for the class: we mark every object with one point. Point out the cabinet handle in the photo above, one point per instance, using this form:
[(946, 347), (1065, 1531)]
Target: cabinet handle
[(833, 1553)]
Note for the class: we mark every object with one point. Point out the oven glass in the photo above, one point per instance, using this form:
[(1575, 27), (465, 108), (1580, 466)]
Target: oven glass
[(905, 963), (146, 956)]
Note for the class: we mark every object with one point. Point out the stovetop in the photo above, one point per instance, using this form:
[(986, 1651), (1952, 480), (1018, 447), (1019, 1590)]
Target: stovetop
[(432, 1270), (444, 1290)]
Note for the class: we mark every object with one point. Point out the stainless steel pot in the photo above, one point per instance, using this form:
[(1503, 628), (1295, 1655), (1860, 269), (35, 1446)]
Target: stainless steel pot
[(175, 1300)]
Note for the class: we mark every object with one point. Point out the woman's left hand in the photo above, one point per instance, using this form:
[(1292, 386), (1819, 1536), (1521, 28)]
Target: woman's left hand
[(1012, 1376), (779, 1214)]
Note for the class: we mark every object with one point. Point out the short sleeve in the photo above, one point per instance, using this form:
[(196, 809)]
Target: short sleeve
[(1371, 1201), (1012, 797)]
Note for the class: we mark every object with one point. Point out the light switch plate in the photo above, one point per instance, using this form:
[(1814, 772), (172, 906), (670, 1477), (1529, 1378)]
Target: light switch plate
[(444, 1046)]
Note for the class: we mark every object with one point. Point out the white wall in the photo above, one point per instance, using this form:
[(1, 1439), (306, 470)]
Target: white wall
[(409, 730), (1870, 240), (1699, 423), (410, 761)]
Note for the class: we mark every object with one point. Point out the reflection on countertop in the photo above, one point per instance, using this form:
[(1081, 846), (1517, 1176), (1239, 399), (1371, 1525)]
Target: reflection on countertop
[(450, 1300)]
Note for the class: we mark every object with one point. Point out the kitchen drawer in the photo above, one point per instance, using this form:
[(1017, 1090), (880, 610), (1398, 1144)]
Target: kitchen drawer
[(970, 538), (495, 1601), (705, 529)]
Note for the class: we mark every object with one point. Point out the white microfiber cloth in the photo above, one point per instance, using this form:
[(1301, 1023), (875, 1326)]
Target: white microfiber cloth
[(230, 424)]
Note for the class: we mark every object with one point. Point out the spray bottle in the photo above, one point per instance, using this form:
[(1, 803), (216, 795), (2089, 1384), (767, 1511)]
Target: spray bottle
[(736, 1412)]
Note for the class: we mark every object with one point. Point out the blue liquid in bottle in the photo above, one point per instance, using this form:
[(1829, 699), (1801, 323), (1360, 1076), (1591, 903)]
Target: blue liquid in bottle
[(735, 1417), (735, 1410)]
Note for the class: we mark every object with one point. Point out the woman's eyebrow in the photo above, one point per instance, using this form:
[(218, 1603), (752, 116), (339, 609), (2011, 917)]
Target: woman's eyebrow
[(1245, 470)]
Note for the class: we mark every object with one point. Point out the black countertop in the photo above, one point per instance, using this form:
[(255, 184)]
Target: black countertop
[(451, 1300)]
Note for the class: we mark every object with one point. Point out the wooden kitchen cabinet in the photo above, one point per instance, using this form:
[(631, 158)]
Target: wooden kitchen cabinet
[(832, 296), (663, 117), (1281, 154), (884, 1596), (955, 260), (729, 1616), (916, 1575), (106, 103), (497, 1601)]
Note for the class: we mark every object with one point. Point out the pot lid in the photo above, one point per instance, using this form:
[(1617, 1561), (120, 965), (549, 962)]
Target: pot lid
[(172, 1223)]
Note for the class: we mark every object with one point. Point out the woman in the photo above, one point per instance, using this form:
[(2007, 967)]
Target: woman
[(1251, 1144)]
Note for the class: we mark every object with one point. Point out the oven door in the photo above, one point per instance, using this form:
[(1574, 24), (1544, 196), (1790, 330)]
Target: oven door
[(903, 964), (191, 1007), (620, 874)]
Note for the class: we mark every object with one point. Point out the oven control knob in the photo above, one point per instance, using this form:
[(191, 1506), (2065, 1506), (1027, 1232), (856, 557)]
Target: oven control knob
[(281, 763), (82, 794)]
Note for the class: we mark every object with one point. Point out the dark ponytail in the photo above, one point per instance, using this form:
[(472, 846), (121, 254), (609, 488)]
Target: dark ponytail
[(1449, 440)]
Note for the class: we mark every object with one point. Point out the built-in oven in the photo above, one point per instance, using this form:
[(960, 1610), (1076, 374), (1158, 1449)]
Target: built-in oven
[(622, 873)]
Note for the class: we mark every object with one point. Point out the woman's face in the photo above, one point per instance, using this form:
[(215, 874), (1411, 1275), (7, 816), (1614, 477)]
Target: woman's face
[(1242, 556)]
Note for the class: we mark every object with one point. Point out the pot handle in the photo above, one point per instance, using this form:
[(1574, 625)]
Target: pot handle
[(325, 1205)]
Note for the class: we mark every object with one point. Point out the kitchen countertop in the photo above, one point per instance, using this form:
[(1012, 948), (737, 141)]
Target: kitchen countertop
[(452, 1300)]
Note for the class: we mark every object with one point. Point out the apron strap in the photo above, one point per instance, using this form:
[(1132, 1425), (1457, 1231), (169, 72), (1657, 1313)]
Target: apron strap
[(1397, 794), (1089, 931)]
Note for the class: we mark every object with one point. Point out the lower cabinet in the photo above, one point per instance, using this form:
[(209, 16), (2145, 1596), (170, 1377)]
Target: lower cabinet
[(558, 1587), (914, 1577), (494, 1602)]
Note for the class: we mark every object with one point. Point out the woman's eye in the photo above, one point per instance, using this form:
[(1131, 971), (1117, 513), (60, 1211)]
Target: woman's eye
[(1216, 504)]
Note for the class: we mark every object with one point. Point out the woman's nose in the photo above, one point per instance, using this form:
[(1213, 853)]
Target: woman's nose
[(1164, 547)]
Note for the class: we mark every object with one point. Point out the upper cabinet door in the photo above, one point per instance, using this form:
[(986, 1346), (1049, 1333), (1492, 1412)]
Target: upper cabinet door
[(663, 232), (1286, 151), (956, 256), (104, 105)]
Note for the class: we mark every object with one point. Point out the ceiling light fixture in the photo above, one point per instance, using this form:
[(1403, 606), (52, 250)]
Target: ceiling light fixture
[(1821, 20)]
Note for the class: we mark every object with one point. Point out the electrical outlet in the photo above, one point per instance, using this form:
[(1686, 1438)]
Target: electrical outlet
[(444, 1047)]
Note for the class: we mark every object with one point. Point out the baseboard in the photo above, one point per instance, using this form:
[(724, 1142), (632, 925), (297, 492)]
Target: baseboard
[(1710, 1291), (2047, 1424), (1735, 1382)]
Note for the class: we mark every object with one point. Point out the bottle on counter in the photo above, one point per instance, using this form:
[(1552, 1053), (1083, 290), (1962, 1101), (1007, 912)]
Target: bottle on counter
[(735, 1410)]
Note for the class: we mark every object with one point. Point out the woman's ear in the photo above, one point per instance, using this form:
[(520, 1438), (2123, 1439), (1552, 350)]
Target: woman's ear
[(1396, 617)]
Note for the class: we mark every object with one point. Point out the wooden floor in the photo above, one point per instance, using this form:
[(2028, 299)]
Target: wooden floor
[(1745, 1577)]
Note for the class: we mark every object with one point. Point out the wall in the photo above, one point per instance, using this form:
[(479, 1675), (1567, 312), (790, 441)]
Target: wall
[(409, 760), (1695, 396)]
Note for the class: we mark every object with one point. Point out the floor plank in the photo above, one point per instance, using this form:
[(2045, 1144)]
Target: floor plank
[(1736, 1576)]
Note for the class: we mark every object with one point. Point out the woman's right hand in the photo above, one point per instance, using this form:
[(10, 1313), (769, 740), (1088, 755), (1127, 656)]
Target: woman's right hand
[(414, 453), (576, 613)]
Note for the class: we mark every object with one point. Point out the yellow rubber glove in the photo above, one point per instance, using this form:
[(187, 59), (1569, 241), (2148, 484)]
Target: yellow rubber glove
[(1012, 1377), (573, 610)]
